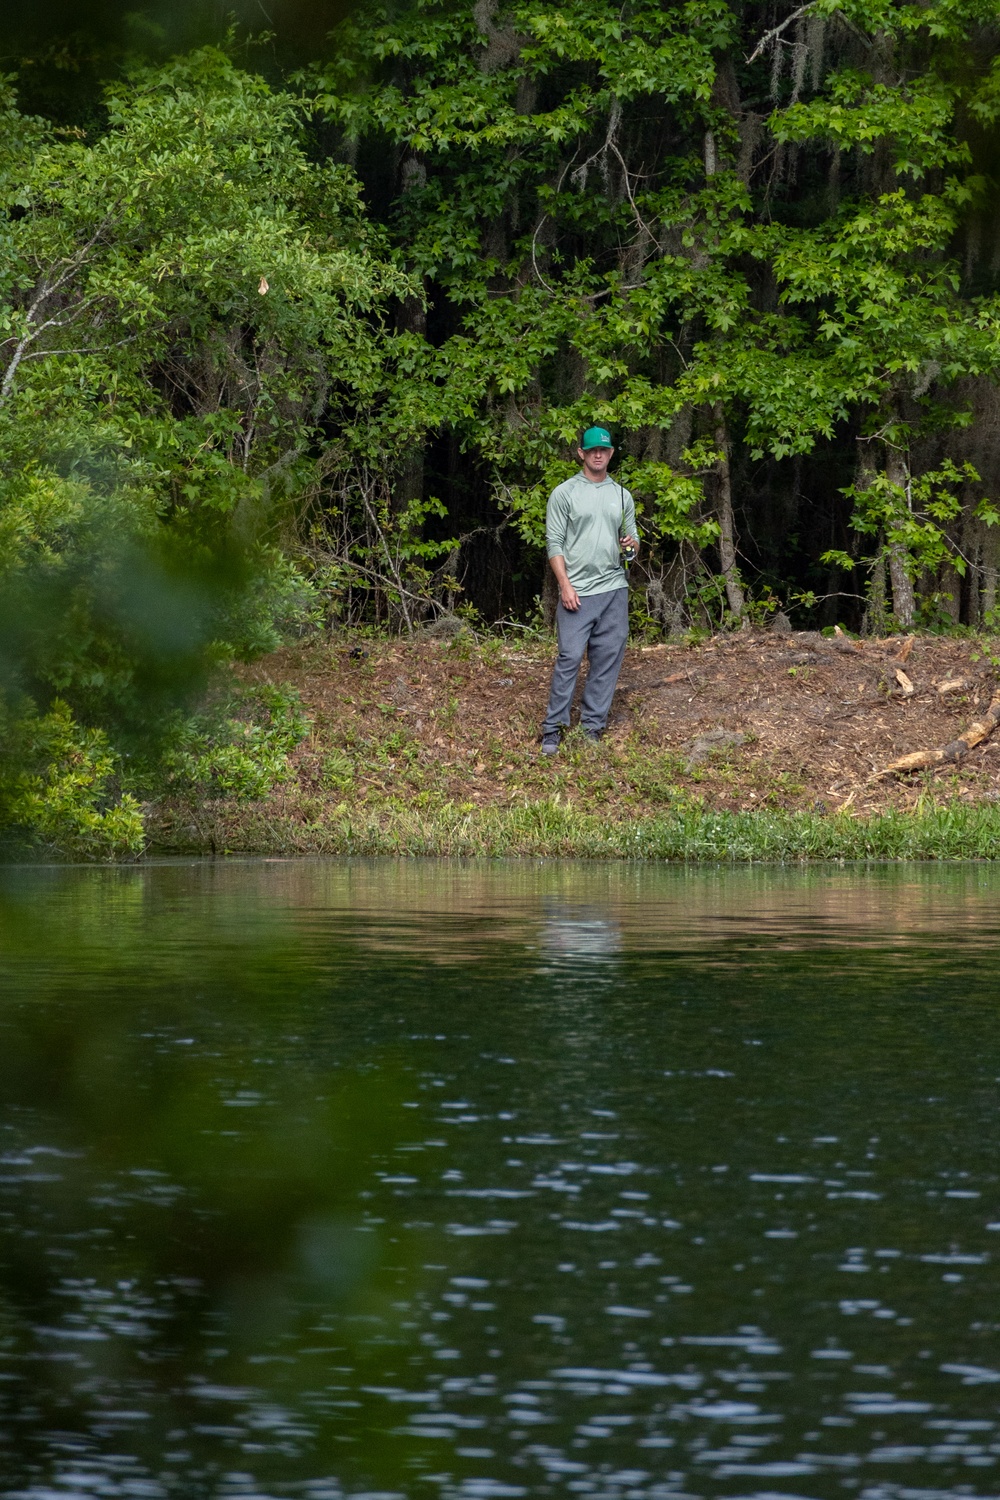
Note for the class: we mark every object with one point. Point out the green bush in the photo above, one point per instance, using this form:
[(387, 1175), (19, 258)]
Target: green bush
[(58, 789), (181, 297), (239, 747)]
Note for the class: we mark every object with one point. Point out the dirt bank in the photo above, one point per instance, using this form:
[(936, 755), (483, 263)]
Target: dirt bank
[(797, 722)]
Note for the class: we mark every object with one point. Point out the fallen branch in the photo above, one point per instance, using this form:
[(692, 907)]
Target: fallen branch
[(921, 760)]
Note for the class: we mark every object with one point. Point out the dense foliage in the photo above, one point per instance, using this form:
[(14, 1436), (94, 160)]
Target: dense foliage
[(733, 233), (317, 346), (159, 405)]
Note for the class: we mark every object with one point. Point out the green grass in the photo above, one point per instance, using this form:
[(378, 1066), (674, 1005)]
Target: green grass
[(550, 829)]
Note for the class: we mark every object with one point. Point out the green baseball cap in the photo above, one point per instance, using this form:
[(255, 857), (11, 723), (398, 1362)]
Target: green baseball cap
[(596, 437)]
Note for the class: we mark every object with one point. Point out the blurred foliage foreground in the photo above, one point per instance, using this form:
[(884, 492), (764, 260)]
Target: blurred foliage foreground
[(187, 1148), (316, 347)]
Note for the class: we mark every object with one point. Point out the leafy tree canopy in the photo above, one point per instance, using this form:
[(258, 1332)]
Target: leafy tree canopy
[(182, 301)]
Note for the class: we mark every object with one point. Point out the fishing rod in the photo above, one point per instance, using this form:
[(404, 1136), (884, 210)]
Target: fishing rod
[(629, 553)]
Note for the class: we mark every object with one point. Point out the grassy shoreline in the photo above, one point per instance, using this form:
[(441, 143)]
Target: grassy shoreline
[(743, 749), (547, 829), (750, 748)]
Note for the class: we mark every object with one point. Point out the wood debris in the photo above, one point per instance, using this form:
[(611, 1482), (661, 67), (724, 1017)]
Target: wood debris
[(845, 643), (905, 683), (921, 760)]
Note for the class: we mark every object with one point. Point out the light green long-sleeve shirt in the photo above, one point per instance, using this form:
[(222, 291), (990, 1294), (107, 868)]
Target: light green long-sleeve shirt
[(583, 524)]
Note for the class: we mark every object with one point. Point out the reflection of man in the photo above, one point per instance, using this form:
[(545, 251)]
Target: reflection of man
[(589, 518)]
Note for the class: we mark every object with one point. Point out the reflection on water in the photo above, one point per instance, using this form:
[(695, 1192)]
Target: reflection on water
[(330, 1179), (575, 932)]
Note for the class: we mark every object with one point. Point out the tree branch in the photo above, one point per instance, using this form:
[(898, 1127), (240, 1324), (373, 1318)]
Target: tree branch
[(775, 32), (50, 285)]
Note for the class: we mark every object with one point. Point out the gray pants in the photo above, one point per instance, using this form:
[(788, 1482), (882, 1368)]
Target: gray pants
[(599, 628)]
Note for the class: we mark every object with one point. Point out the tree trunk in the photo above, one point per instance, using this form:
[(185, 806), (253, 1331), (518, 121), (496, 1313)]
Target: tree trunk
[(904, 604), (550, 598), (950, 591), (409, 482), (988, 596), (724, 515), (874, 621), (972, 540)]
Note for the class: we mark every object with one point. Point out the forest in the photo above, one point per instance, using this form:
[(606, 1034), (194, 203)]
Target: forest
[(303, 308)]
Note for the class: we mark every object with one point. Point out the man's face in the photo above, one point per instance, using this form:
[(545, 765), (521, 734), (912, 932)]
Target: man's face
[(595, 461)]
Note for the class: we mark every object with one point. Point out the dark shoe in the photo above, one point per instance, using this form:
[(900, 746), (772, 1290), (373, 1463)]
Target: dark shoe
[(594, 735), (551, 742)]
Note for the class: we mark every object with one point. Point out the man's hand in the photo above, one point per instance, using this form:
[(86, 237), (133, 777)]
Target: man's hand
[(568, 596), (631, 541)]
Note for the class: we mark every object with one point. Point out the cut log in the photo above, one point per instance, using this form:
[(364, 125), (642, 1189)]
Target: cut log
[(922, 760), (647, 687)]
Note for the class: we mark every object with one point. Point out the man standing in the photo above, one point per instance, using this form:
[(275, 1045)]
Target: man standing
[(590, 518)]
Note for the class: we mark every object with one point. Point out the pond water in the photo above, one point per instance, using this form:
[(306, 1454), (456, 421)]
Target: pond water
[(330, 1179)]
